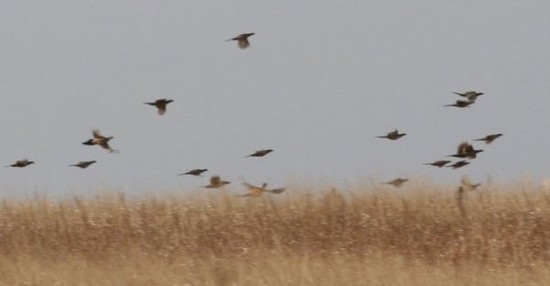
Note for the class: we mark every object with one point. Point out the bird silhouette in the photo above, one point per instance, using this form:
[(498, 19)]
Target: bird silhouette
[(255, 191), (83, 164), (470, 95), (194, 172), (466, 150), (461, 103), (489, 138), (160, 104), (242, 40), (459, 164), (21, 163), (439, 163), (260, 153), (394, 135), (216, 182), (100, 140), (397, 182)]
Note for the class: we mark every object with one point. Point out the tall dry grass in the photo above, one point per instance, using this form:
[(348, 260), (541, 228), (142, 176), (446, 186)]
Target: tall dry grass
[(414, 236)]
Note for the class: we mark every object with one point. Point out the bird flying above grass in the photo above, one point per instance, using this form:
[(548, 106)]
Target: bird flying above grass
[(461, 103), (469, 95), (397, 182), (100, 140), (459, 164), (216, 182), (466, 150), (439, 163)]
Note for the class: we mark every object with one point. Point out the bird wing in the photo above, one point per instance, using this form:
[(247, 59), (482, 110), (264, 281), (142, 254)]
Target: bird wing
[(97, 134)]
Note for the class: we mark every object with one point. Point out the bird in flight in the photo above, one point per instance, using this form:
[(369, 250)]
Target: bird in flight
[(242, 40), (260, 153), (83, 164), (21, 163), (466, 150), (489, 138), (461, 103), (255, 191), (469, 95), (394, 135), (160, 104), (397, 182), (194, 172), (439, 163), (100, 140), (459, 164), (216, 182), (466, 185)]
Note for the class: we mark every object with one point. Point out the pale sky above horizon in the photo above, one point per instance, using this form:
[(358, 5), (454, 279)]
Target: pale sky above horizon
[(320, 81)]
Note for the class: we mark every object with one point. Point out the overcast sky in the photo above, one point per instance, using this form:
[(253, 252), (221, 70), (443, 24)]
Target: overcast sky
[(320, 81)]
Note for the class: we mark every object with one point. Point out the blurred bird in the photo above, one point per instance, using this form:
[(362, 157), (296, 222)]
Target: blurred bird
[(394, 135), (489, 138), (160, 104), (242, 40), (216, 182), (21, 163), (466, 150), (83, 164), (466, 185), (470, 95), (461, 103), (195, 172), (255, 191), (439, 163), (397, 182), (100, 140), (459, 164), (260, 153)]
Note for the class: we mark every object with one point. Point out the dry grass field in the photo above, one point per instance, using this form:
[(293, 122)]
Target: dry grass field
[(372, 236)]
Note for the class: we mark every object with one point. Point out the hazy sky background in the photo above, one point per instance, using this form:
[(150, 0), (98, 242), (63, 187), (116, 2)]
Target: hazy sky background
[(319, 82)]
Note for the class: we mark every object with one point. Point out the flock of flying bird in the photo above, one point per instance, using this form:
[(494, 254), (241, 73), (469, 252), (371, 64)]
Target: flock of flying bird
[(161, 105), (465, 151)]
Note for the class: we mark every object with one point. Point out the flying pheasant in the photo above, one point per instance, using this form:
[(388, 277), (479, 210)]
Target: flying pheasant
[(194, 172), (21, 163), (100, 140), (216, 182), (260, 153), (160, 104), (242, 40), (83, 164), (489, 138), (394, 135)]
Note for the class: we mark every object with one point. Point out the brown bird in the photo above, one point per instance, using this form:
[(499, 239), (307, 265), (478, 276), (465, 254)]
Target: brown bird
[(160, 104), (397, 182), (459, 164), (439, 163), (461, 103), (260, 153), (100, 140), (242, 40), (194, 172), (470, 95), (255, 191), (83, 164), (394, 135), (489, 138), (21, 163), (466, 150), (216, 182)]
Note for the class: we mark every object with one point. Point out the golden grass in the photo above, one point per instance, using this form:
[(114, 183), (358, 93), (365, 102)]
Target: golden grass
[(410, 236)]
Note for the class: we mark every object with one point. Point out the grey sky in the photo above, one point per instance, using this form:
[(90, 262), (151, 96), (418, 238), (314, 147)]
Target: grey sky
[(319, 82)]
